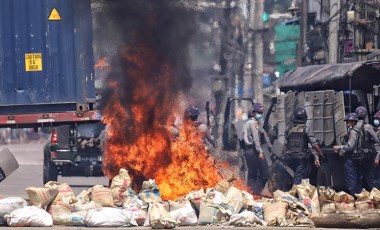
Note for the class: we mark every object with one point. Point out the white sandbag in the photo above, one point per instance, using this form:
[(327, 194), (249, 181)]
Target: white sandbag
[(73, 219), (363, 201), (208, 213), (213, 196), (159, 217), (57, 210), (102, 195), (344, 201), (274, 211), (119, 185), (84, 197), (245, 219), (41, 197), (65, 193), (375, 197), (8, 205), (232, 201), (177, 204), (185, 216), (139, 215), (149, 192), (326, 199), (109, 217), (84, 207), (196, 197), (30, 216)]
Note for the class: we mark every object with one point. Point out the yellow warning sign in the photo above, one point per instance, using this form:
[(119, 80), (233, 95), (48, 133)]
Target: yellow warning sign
[(54, 15), (33, 62)]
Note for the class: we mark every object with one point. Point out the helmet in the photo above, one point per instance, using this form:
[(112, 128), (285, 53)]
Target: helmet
[(351, 117), (192, 112), (257, 108), (377, 115), (300, 114), (361, 112)]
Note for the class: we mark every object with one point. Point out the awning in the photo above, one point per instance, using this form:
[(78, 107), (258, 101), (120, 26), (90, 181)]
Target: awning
[(332, 76)]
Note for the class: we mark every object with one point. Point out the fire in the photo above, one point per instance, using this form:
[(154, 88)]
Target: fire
[(102, 64), (139, 138)]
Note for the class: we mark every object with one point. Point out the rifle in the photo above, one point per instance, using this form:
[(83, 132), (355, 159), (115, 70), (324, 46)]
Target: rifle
[(208, 113)]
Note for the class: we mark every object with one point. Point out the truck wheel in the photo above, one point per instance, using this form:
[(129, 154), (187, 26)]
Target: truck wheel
[(50, 172), (324, 176)]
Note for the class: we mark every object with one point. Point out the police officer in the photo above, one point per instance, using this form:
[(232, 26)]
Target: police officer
[(297, 140), (369, 140), (352, 155), (376, 124), (253, 153), (192, 113)]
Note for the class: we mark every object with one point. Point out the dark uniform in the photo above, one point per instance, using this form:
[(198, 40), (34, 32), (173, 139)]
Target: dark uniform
[(253, 153), (352, 155), (367, 145), (297, 153), (376, 123)]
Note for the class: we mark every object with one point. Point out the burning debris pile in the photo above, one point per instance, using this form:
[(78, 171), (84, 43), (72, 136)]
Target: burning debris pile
[(222, 205), (146, 85)]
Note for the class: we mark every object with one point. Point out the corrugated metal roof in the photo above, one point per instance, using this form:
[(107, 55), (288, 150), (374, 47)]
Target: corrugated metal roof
[(332, 76)]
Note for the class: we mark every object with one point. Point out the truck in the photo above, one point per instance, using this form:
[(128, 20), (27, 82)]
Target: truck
[(327, 92), (47, 75)]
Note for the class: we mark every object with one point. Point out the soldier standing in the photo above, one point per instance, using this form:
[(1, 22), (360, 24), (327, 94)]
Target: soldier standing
[(369, 140), (376, 124), (253, 153), (352, 154), (297, 154)]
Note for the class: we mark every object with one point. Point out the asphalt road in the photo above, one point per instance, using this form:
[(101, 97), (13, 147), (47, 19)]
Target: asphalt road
[(29, 174)]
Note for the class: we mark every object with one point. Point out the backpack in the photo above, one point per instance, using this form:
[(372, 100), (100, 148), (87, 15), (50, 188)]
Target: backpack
[(358, 152)]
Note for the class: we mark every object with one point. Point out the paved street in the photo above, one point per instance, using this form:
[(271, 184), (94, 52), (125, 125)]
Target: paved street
[(29, 174)]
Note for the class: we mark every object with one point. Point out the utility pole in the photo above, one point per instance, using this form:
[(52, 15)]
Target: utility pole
[(303, 24), (333, 31), (259, 50), (253, 70)]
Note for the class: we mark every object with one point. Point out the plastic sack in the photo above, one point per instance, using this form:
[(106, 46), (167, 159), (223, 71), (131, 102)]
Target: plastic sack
[(273, 211), (84, 197), (149, 192), (344, 201), (309, 196), (196, 197), (84, 207), (109, 217), (65, 193), (213, 196), (375, 197), (208, 213), (232, 201), (41, 197), (326, 199), (57, 210), (159, 217), (177, 204), (8, 205), (30, 216), (102, 195), (73, 219), (245, 219), (119, 185), (139, 215), (363, 201), (185, 216)]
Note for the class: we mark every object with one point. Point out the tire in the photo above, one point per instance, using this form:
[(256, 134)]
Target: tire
[(324, 176), (50, 172)]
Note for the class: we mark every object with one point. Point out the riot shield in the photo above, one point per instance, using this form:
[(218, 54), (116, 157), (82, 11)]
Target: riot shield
[(328, 115), (340, 126)]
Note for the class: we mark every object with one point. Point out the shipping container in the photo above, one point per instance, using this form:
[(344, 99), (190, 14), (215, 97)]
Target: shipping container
[(46, 56)]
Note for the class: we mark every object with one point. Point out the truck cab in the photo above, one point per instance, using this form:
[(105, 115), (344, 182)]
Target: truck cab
[(74, 150)]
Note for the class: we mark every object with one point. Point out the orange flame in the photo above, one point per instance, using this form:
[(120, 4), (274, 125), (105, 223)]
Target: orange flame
[(139, 138), (102, 64)]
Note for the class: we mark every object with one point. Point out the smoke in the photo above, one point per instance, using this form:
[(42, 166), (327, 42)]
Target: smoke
[(160, 27)]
